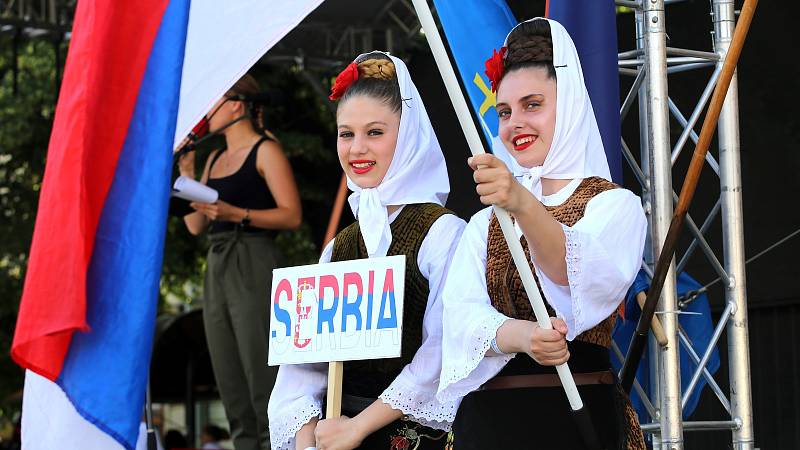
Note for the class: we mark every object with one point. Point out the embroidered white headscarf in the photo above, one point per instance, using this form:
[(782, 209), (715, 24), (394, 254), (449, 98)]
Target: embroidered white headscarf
[(577, 149), (417, 173)]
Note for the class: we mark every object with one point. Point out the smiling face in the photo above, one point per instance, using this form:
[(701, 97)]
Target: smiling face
[(526, 106), (367, 137)]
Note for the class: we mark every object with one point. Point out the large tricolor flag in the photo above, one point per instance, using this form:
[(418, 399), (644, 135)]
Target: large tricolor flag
[(475, 27), (138, 75)]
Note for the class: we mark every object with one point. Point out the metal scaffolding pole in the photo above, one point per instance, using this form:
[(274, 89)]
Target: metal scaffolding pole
[(649, 259), (733, 238), (660, 168), (650, 64)]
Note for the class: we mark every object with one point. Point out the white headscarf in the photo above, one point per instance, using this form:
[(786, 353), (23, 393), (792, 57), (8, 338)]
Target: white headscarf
[(417, 173), (577, 149)]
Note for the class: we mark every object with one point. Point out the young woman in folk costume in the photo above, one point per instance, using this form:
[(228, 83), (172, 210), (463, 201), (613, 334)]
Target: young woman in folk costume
[(397, 173), (584, 237)]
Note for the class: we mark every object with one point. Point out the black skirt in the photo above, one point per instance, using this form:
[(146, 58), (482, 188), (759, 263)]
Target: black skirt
[(540, 417), (361, 388), (402, 434)]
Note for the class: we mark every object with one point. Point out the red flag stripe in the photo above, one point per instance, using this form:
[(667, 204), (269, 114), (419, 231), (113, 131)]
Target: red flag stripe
[(110, 47)]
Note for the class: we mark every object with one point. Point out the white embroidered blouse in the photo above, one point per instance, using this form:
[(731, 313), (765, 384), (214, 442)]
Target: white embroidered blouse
[(603, 254)]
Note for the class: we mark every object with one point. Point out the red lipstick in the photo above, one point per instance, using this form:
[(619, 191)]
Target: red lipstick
[(523, 141), (361, 166)]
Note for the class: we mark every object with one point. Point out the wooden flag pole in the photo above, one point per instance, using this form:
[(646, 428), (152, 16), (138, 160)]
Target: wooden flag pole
[(334, 399), (658, 330)]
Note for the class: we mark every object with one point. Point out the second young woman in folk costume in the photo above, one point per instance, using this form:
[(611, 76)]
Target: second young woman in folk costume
[(584, 237), (397, 173)]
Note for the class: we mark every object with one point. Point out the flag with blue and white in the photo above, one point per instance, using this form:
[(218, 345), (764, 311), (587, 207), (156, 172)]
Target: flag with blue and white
[(473, 29)]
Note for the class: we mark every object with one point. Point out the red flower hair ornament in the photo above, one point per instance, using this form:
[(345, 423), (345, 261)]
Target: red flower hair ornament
[(343, 81), (495, 66)]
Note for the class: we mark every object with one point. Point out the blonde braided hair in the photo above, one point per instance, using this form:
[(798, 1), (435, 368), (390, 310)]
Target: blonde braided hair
[(377, 78), (382, 69)]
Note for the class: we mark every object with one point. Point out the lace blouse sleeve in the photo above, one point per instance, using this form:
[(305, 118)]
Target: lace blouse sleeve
[(470, 322), (603, 254), (414, 390)]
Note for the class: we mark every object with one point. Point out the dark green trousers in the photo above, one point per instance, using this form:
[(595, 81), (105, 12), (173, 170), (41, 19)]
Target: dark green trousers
[(236, 319)]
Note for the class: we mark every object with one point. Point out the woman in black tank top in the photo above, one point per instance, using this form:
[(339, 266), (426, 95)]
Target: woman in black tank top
[(257, 194)]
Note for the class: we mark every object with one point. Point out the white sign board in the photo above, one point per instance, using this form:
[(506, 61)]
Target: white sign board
[(337, 311)]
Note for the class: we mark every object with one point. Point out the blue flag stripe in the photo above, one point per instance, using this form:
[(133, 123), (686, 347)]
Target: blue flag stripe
[(105, 372)]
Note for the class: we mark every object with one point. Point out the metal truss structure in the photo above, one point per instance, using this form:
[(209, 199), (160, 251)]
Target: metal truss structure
[(35, 18), (323, 43), (22, 20), (650, 64)]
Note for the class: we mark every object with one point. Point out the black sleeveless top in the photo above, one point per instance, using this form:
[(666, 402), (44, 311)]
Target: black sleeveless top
[(245, 188)]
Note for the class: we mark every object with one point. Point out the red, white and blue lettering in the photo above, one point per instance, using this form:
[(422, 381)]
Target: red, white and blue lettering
[(337, 311)]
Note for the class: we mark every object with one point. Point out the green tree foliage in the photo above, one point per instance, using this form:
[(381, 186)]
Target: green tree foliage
[(27, 105)]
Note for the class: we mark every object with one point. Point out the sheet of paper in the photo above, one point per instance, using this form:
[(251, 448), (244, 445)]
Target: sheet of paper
[(189, 189)]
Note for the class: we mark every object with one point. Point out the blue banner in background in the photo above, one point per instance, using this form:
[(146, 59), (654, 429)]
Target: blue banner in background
[(699, 329), (593, 27), (473, 29)]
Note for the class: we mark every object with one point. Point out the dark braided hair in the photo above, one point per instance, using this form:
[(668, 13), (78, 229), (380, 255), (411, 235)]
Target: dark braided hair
[(530, 45), (377, 78), (244, 90)]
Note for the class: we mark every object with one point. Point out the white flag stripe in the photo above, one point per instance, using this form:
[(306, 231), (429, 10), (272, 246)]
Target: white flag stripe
[(224, 40), (49, 421)]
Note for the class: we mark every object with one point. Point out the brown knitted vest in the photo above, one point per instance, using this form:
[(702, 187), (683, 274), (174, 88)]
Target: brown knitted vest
[(408, 231), (503, 281)]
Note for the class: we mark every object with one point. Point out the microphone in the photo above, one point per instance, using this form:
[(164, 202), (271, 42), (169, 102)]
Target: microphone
[(199, 130), (197, 134)]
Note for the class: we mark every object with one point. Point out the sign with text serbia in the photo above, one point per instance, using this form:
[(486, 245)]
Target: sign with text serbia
[(337, 311)]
